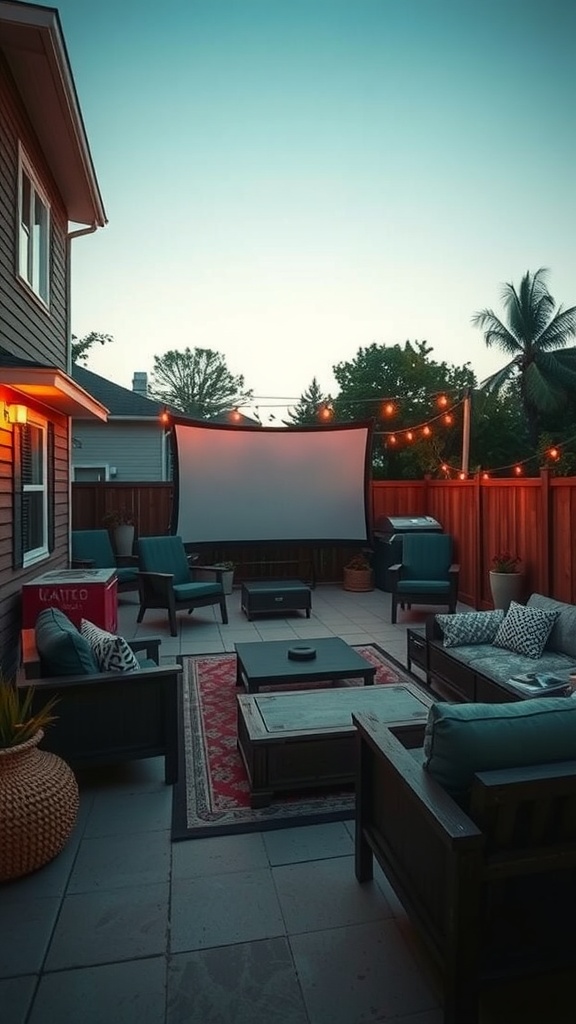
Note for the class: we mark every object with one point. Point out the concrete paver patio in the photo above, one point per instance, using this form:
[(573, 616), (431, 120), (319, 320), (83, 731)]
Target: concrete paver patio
[(125, 927)]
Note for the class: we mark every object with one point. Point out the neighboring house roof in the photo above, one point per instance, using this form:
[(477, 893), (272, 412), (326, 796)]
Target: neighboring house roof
[(32, 43), (121, 402), (235, 418), (50, 386)]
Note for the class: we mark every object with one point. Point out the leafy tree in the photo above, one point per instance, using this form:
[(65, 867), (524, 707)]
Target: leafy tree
[(410, 381), (198, 382), (80, 347), (535, 337), (306, 411)]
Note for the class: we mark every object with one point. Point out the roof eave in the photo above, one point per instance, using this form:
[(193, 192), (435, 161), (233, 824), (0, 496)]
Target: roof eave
[(33, 45)]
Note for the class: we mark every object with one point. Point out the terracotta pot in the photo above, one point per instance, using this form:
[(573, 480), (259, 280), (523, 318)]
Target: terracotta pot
[(38, 807), (506, 587), (358, 579)]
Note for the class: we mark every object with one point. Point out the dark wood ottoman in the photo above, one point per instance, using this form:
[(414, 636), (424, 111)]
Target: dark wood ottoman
[(268, 596)]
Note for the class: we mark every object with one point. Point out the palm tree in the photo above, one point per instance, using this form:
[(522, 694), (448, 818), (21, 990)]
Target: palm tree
[(535, 336)]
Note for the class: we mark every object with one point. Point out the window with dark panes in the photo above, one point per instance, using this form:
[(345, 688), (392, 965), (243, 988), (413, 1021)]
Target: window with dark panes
[(34, 233), (34, 492)]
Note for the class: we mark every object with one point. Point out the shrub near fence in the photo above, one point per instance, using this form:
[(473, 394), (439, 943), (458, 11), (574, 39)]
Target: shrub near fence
[(533, 517)]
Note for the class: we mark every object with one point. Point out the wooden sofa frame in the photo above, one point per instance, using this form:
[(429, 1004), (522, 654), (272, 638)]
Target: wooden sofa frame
[(456, 874), (110, 717), (462, 682)]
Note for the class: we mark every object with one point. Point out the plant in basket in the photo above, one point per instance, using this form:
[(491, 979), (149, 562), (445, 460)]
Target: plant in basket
[(358, 574), (38, 790)]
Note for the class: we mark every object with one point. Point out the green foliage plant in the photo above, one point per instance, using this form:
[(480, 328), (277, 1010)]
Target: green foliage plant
[(504, 561), (17, 722)]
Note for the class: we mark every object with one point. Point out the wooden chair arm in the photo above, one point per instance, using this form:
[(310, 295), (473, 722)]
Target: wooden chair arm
[(122, 678), (436, 808), (218, 572)]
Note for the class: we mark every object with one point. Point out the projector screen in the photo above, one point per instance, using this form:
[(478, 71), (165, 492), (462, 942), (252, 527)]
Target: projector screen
[(265, 484)]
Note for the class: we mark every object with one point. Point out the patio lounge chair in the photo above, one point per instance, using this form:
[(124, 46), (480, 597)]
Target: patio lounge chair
[(167, 580), (92, 549)]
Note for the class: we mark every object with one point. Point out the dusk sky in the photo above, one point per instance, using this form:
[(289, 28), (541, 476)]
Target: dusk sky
[(287, 181)]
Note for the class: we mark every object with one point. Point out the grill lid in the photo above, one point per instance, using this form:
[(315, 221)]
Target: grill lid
[(407, 524)]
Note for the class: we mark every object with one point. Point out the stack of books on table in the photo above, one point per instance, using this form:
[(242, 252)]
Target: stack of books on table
[(543, 684)]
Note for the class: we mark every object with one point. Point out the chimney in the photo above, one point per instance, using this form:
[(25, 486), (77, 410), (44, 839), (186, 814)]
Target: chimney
[(140, 383)]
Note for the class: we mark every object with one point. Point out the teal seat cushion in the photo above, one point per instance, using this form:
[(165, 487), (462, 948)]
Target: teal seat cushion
[(462, 739), (190, 591), (63, 651), (423, 586), (94, 546)]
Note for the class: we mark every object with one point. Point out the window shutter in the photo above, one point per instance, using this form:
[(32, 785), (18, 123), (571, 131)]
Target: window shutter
[(17, 553), (50, 469)]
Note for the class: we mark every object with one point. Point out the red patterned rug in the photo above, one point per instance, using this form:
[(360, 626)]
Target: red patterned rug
[(212, 796)]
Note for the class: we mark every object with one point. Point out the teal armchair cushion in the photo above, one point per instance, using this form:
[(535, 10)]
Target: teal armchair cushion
[(95, 546), (63, 651), (426, 557), (462, 739), (164, 554)]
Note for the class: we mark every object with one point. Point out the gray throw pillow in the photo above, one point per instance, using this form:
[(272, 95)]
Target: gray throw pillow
[(470, 627), (525, 630)]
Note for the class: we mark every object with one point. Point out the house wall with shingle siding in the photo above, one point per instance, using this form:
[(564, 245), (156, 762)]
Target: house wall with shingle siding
[(135, 449), (27, 329), (30, 331)]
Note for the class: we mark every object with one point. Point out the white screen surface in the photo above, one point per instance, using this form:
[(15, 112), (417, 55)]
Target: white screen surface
[(237, 484)]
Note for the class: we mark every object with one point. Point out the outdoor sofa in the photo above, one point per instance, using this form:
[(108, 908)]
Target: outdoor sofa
[(473, 671), (103, 717), (473, 820)]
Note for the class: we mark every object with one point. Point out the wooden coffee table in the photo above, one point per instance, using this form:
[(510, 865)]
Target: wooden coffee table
[(260, 664), (293, 741)]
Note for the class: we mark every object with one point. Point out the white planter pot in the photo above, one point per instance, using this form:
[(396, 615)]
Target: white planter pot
[(124, 539), (506, 587)]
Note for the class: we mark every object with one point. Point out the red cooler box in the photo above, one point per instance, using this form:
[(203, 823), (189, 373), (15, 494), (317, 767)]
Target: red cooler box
[(80, 593)]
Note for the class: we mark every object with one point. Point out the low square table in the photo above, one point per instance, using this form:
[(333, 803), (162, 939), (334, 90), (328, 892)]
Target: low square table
[(262, 663), (266, 596), (293, 741)]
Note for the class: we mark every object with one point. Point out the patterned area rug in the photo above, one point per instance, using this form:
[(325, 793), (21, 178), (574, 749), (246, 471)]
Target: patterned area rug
[(212, 796)]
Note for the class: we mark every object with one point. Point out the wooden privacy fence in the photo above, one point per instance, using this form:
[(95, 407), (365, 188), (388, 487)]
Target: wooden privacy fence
[(534, 518)]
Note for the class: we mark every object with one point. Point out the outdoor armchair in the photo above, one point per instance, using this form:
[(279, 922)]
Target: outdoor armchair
[(167, 580), (92, 549), (426, 574)]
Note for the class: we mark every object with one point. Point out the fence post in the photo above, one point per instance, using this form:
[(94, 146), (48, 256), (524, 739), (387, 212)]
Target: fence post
[(479, 560), (547, 526)]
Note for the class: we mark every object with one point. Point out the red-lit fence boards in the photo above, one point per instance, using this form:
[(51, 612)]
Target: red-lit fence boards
[(533, 517)]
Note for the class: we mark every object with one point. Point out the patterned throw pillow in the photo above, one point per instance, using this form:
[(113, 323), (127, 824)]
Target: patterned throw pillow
[(470, 627), (113, 653), (525, 630)]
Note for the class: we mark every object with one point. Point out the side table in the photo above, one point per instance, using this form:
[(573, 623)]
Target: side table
[(417, 650)]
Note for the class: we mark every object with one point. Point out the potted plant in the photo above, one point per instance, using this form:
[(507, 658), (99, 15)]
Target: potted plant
[(38, 791), (227, 575), (506, 579), (358, 574), (121, 523)]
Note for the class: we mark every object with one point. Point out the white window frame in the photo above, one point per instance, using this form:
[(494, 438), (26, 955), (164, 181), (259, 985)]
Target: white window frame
[(33, 246), (36, 554), (92, 465)]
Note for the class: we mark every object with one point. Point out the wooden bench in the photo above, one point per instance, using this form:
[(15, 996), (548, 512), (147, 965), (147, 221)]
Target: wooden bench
[(110, 717), (492, 893)]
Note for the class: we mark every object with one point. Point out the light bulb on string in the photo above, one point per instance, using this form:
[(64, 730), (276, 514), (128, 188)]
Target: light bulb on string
[(426, 431)]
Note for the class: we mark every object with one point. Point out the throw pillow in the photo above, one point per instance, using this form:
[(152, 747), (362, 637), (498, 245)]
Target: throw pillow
[(113, 653), (525, 630), (470, 627), (462, 739)]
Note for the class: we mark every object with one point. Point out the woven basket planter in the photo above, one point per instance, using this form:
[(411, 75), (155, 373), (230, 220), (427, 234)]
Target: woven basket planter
[(358, 579), (38, 807)]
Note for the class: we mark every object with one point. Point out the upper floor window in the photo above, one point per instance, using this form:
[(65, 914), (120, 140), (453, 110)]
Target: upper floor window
[(34, 232)]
